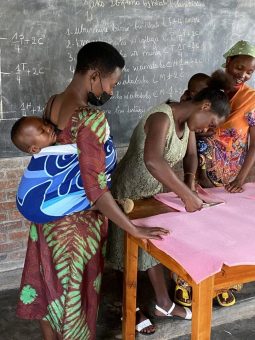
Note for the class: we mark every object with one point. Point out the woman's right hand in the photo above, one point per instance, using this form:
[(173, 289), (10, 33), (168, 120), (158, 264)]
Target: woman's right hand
[(193, 203), (155, 233)]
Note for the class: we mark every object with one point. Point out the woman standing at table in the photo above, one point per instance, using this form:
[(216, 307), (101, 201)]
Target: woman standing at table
[(64, 262), (226, 157), (163, 137), (228, 154)]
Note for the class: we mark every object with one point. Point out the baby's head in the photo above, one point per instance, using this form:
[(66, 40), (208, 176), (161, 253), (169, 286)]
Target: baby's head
[(30, 134), (197, 82)]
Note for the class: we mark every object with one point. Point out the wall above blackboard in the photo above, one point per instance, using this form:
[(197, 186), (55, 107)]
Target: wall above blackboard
[(164, 42)]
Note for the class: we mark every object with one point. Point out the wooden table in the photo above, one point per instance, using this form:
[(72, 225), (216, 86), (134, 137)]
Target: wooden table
[(202, 293)]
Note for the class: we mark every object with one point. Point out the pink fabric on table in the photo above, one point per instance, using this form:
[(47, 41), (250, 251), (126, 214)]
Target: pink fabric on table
[(173, 201), (201, 242)]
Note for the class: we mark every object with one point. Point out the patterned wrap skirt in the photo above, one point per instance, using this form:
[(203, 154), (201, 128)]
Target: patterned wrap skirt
[(62, 274)]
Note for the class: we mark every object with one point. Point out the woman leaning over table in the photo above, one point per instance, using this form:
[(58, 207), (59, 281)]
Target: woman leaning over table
[(163, 137)]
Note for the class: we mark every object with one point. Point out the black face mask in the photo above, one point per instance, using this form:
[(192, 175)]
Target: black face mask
[(98, 101)]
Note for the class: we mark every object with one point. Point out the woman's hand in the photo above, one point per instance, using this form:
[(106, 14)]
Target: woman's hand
[(235, 186), (108, 207), (155, 233), (193, 203)]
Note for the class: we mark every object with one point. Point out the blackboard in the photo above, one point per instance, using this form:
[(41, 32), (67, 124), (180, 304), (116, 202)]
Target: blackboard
[(164, 42)]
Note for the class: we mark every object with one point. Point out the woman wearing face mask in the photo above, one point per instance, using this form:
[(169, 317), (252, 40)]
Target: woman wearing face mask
[(64, 262), (227, 156), (163, 137)]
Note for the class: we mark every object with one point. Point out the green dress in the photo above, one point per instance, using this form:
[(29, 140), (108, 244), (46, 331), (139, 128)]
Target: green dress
[(132, 179)]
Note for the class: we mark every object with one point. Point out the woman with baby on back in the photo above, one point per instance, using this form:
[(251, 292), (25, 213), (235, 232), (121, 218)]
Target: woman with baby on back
[(64, 262)]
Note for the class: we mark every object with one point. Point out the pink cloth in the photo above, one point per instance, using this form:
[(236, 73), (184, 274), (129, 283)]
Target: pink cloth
[(201, 242), (173, 201)]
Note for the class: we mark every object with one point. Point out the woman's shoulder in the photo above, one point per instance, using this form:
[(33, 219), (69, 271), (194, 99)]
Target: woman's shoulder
[(248, 89), (248, 95), (163, 107), (87, 112), (246, 86), (91, 118)]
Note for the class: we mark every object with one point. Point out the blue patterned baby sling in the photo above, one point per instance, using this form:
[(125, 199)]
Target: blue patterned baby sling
[(51, 186)]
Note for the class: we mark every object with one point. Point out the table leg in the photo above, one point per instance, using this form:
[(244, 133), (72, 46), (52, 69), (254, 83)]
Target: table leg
[(129, 288), (202, 296)]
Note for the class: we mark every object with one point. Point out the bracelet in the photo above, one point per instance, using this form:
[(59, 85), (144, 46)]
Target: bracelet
[(190, 173)]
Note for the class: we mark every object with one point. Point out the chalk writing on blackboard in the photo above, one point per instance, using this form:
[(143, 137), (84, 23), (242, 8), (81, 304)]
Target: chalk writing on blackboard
[(163, 42)]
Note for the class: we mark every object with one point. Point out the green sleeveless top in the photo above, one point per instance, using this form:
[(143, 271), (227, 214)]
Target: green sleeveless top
[(131, 178)]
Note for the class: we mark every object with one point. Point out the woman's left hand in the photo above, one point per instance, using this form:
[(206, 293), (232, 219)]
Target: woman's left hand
[(235, 186), (155, 233)]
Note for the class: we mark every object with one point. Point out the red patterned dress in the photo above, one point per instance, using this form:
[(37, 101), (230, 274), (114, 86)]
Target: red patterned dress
[(64, 261)]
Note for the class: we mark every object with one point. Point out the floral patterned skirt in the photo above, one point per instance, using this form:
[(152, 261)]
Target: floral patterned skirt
[(62, 274)]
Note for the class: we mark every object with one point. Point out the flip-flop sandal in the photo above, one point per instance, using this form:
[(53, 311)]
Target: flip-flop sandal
[(226, 299), (142, 325), (167, 314), (182, 296)]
